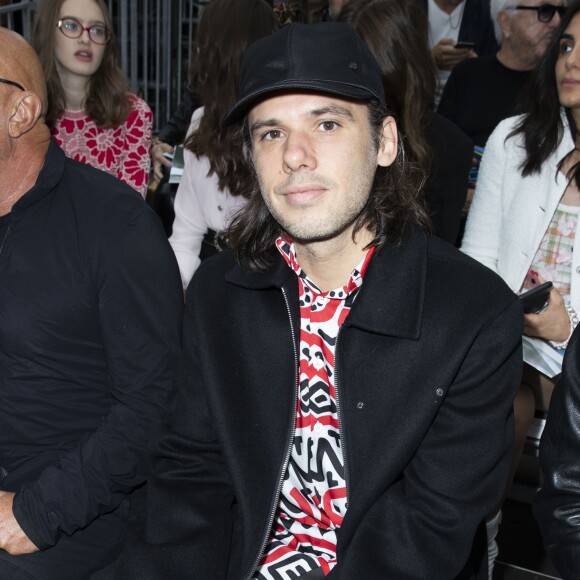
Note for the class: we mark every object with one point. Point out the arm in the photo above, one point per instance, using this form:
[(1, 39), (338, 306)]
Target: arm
[(483, 230), (189, 495), (134, 169), (174, 131), (423, 525), (189, 225), (557, 505), (139, 309)]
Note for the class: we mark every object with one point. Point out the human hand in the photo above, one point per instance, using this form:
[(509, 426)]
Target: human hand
[(12, 539), (553, 323), (158, 158), (447, 56)]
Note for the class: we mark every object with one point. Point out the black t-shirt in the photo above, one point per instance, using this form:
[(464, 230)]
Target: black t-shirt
[(479, 94)]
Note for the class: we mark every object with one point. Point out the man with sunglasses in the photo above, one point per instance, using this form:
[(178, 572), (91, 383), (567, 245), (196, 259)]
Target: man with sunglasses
[(90, 311), (482, 92)]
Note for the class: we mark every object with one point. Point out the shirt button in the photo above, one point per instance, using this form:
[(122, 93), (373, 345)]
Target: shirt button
[(439, 392), (318, 363), (360, 405), (220, 208)]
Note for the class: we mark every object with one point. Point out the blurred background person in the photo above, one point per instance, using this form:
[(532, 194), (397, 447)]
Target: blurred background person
[(458, 30), (92, 114), (483, 91), (216, 179), (396, 33), (524, 217)]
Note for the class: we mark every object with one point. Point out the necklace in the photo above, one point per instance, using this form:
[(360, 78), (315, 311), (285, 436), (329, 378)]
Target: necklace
[(455, 26)]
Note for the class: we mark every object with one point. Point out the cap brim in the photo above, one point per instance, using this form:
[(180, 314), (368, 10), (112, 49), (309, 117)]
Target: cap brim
[(238, 111)]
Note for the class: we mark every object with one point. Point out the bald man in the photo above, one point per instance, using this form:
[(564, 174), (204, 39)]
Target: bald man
[(90, 310)]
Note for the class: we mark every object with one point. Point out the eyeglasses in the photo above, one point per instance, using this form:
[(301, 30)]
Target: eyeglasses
[(72, 28), (545, 12), (13, 83)]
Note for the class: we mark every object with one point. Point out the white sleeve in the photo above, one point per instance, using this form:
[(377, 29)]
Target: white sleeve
[(483, 230)]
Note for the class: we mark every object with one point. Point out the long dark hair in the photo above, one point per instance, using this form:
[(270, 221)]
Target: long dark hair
[(225, 30), (394, 207), (396, 31), (107, 101), (541, 127)]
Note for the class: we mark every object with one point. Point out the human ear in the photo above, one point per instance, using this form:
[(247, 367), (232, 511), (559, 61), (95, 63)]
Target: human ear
[(504, 21), (26, 109), (388, 144)]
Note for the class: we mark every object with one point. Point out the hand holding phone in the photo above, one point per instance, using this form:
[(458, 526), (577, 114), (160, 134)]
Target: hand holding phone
[(465, 44), (535, 299)]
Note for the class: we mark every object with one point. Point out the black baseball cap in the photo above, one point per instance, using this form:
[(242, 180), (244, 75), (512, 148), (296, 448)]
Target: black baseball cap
[(329, 57)]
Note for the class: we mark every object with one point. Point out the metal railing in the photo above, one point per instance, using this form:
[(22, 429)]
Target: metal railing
[(155, 40)]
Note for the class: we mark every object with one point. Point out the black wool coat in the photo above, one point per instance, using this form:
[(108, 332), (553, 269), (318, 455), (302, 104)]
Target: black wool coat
[(427, 365)]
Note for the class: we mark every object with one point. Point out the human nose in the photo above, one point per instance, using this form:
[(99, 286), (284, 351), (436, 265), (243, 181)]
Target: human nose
[(298, 153), (85, 37)]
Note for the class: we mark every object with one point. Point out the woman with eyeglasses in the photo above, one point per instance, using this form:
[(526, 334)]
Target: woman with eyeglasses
[(92, 114), (524, 221)]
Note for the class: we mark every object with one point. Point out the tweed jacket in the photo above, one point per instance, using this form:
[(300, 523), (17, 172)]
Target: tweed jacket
[(510, 213), (427, 364)]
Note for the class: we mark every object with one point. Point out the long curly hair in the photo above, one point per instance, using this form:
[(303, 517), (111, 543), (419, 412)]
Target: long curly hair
[(225, 30), (107, 100), (395, 206), (541, 126)]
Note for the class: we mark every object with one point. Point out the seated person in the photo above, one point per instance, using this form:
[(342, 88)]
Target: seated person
[(91, 112), (90, 313), (458, 30), (396, 33), (557, 505)]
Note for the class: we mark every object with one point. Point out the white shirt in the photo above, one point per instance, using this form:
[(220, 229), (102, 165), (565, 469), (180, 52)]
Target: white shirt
[(443, 25), (199, 205)]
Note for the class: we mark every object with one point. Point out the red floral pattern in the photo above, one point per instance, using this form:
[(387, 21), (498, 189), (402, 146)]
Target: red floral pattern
[(122, 151)]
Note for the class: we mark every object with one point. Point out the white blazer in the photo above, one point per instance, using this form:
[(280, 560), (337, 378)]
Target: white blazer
[(510, 213), (199, 205)]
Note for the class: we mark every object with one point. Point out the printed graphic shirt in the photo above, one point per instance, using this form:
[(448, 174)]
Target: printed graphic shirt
[(313, 499), (122, 151)]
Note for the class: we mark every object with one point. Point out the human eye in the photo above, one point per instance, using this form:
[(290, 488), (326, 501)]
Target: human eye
[(271, 135), (98, 31), (565, 46), (70, 25), (328, 126)]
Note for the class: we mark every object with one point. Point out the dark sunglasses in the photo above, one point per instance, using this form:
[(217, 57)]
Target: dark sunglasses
[(13, 83), (545, 11)]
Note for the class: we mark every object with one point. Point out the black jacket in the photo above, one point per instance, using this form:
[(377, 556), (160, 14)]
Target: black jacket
[(90, 308), (557, 505), (427, 364)]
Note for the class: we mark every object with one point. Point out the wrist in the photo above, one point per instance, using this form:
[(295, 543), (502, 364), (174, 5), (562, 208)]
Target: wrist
[(573, 322)]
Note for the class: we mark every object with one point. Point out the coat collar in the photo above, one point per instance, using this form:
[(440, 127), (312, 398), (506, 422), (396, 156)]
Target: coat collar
[(48, 178), (391, 298)]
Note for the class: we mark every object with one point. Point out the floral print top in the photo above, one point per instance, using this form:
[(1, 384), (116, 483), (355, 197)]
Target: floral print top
[(553, 260), (122, 151)]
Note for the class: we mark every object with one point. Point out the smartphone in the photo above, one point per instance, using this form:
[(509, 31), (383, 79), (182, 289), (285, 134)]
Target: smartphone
[(535, 299), (465, 44)]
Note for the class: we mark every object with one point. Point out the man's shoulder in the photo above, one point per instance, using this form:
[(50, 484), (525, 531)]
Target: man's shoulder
[(471, 280)]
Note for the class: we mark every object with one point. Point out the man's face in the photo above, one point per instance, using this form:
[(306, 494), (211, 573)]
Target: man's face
[(527, 36), (316, 159)]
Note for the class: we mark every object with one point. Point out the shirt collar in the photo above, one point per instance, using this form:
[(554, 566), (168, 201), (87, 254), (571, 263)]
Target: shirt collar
[(287, 249)]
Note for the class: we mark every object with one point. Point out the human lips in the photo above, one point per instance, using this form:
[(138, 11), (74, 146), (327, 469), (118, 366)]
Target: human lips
[(303, 193), (84, 55), (569, 83)]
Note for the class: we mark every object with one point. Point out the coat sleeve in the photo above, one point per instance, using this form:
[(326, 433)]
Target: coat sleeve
[(423, 526), (483, 231), (140, 305), (189, 495), (557, 505)]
